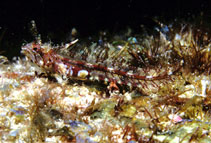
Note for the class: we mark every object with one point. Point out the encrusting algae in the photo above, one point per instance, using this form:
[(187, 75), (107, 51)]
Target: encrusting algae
[(142, 88)]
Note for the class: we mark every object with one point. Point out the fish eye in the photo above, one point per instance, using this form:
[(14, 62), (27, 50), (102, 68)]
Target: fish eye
[(35, 48)]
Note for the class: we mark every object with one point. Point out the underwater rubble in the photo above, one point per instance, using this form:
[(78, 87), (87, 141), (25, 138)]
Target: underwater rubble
[(38, 105)]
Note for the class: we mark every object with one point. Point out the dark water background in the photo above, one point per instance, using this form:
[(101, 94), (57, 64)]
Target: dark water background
[(55, 19)]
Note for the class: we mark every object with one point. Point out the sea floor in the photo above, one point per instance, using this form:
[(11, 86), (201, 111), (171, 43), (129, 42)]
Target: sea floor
[(35, 107)]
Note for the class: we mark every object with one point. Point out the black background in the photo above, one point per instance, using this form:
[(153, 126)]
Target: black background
[(55, 19)]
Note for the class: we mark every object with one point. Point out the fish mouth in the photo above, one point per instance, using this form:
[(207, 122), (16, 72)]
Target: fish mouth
[(29, 53), (32, 55)]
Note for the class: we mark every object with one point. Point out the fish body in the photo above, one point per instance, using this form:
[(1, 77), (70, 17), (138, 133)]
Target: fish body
[(48, 58)]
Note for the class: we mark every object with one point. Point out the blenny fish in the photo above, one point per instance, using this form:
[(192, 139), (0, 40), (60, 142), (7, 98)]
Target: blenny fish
[(82, 66)]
